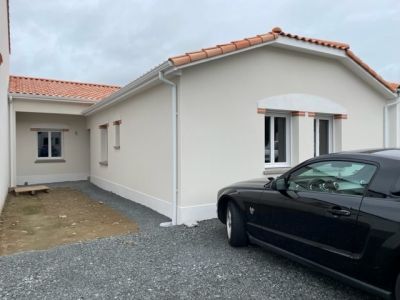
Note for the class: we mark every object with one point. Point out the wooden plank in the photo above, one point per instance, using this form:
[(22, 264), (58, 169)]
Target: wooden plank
[(31, 189)]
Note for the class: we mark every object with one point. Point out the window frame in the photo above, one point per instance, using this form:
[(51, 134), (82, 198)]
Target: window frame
[(104, 144), (117, 134), (316, 133), (288, 123), (50, 157)]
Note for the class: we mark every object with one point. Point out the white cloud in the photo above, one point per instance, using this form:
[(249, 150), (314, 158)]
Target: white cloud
[(116, 41)]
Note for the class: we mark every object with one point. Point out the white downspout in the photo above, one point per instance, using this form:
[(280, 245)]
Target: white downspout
[(386, 121), (174, 151), (12, 137)]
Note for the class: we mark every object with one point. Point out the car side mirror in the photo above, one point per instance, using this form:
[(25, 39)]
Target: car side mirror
[(279, 184)]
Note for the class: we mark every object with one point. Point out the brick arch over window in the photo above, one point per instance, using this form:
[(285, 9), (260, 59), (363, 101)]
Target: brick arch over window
[(301, 102)]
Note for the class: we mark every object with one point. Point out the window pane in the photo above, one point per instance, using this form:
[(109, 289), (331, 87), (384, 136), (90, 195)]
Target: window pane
[(117, 135), (55, 144), (339, 177), (104, 145), (323, 137), (43, 144), (267, 139), (280, 139)]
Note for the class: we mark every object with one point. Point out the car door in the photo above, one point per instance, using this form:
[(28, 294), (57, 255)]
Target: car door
[(316, 216)]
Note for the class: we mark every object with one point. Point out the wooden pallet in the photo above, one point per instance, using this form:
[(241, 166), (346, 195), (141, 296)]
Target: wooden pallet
[(32, 189)]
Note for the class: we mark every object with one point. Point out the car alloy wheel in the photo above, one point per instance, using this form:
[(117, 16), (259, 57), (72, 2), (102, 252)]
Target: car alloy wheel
[(235, 226), (228, 223)]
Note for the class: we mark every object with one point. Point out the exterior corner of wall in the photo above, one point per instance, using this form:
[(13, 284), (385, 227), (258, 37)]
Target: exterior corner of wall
[(338, 134)]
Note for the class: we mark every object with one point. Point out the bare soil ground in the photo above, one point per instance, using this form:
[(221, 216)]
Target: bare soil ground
[(59, 217)]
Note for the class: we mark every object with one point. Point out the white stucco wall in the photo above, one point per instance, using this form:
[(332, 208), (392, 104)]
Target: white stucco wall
[(222, 136), (141, 169), (393, 123), (75, 149), (48, 107), (4, 74)]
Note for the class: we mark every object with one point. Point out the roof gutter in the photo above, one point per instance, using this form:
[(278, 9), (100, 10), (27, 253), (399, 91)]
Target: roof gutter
[(174, 117), (18, 96), (131, 88)]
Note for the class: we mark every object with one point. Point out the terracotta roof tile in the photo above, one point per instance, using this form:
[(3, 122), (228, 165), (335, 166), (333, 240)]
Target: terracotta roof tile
[(226, 48), (326, 43), (242, 44), (210, 52), (270, 36), (197, 55), (59, 88), (394, 85)]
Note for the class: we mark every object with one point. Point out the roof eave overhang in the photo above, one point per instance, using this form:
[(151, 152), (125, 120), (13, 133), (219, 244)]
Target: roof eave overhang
[(131, 88), (194, 63), (310, 48), (339, 54), (168, 67), (57, 99)]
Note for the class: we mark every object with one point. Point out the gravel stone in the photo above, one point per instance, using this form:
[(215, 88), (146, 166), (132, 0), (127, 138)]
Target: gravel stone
[(160, 263)]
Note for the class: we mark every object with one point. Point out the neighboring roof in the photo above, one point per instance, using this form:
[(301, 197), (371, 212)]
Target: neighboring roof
[(394, 85), (276, 32), (59, 88)]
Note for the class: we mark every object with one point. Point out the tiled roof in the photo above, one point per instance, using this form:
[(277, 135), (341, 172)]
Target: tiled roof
[(59, 88), (394, 85), (267, 37)]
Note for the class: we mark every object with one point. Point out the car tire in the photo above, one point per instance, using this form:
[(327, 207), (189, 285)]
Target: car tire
[(397, 288), (235, 226)]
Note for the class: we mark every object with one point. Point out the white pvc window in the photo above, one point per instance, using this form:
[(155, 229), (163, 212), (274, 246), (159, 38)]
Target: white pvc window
[(49, 144), (277, 140), (322, 135), (117, 138)]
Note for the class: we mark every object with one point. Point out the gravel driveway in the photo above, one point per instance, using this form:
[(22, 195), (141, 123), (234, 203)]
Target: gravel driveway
[(160, 263)]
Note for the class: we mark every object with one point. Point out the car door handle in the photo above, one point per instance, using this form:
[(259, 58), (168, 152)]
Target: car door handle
[(337, 211)]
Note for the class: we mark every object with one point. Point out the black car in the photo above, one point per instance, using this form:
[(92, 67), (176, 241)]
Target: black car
[(339, 213)]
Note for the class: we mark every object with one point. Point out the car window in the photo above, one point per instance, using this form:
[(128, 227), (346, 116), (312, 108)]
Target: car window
[(339, 177)]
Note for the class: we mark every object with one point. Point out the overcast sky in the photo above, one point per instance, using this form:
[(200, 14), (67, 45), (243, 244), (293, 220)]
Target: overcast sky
[(115, 41)]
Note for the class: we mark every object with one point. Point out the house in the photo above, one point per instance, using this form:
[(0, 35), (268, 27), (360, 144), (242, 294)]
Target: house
[(52, 140), (197, 122), (5, 50)]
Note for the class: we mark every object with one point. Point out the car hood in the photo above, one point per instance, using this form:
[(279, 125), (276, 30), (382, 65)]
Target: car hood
[(254, 184), (258, 183)]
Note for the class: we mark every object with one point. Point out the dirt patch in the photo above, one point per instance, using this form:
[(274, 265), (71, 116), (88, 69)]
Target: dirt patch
[(59, 217)]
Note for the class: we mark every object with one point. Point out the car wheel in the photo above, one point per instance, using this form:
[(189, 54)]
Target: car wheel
[(397, 288), (235, 226)]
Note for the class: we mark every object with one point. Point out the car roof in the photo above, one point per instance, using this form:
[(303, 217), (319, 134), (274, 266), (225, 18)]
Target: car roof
[(377, 155)]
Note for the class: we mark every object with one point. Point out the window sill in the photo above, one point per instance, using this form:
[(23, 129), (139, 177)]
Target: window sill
[(275, 170), (103, 163), (50, 160), (117, 147)]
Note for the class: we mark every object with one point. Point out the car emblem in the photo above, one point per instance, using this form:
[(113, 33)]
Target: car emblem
[(252, 210)]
